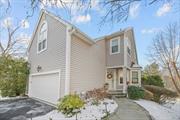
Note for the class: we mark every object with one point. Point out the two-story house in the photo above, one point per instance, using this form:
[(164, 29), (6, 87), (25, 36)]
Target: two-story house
[(64, 60)]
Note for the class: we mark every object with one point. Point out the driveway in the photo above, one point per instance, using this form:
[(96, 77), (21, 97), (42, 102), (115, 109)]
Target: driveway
[(129, 110), (21, 109)]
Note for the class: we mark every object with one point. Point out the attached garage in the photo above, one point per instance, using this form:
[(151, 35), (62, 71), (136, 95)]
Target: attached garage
[(45, 86)]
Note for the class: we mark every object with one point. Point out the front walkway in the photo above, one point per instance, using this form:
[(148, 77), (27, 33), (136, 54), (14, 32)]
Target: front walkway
[(129, 110)]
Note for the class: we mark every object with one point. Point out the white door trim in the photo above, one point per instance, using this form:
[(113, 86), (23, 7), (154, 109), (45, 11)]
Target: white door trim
[(48, 72), (114, 79)]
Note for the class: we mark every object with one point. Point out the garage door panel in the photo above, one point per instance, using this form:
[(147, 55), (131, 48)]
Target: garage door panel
[(45, 87)]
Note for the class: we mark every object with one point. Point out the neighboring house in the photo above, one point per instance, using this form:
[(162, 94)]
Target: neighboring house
[(64, 60)]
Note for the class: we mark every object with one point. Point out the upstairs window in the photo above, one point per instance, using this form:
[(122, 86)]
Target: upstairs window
[(134, 76), (114, 46), (129, 50), (42, 40), (128, 47)]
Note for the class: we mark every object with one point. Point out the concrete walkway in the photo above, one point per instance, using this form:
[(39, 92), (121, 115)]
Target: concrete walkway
[(129, 110)]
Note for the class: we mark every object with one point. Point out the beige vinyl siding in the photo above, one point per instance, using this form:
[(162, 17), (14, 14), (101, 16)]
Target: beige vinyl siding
[(132, 57), (87, 65), (54, 57), (115, 59)]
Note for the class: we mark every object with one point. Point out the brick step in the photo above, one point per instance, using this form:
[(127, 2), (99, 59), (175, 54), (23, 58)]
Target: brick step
[(115, 92)]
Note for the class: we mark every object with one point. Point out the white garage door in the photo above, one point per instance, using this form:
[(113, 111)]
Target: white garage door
[(45, 86)]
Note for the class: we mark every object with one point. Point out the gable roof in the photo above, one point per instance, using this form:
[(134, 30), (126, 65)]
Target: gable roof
[(118, 33), (64, 22), (78, 32), (113, 34)]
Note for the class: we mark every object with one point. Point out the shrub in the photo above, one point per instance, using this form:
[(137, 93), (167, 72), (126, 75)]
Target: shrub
[(95, 102), (69, 103), (135, 92), (159, 91), (152, 80), (148, 95), (13, 76), (98, 94)]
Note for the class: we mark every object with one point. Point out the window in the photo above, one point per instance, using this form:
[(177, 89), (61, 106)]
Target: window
[(128, 50), (42, 41), (115, 46), (121, 80), (134, 76), (128, 47)]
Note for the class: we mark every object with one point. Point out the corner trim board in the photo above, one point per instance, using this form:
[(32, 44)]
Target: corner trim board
[(68, 60)]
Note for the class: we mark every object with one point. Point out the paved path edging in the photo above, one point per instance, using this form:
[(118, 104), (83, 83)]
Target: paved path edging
[(129, 110)]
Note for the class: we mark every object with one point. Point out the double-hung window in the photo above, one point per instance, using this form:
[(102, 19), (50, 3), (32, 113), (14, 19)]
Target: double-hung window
[(134, 76), (42, 41), (114, 46)]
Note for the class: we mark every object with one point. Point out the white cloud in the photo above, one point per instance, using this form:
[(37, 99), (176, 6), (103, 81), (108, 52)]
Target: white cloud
[(25, 24), (7, 22), (150, 30), (163, 10), (3, 1), (81, 18), (76, 7), (134, 10)]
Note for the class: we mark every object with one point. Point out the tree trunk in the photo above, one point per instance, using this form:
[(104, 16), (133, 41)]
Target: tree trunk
[(173, 80), (177, 72)]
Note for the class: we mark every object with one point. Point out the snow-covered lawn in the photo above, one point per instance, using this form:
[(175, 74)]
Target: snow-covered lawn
[(91, 112), (167, 111)]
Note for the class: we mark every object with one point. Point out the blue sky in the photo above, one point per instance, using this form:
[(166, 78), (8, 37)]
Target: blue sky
[(146, 21)]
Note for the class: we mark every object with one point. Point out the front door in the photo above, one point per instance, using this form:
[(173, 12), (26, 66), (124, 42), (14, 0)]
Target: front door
[(116, 82)]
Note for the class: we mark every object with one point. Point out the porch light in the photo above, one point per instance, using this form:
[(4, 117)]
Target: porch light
[(39, 68)]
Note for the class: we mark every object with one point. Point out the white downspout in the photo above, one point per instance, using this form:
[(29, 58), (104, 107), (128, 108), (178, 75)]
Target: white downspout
[(69, 32)]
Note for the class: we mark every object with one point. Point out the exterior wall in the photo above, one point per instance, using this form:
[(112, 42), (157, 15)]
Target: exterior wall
[(87, 65), (54, 56), (132, 57), (115, 59)]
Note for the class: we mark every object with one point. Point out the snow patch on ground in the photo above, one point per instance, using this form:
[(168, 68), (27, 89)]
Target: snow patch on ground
[(10, 98), (91, 112), (168, 111), (173, 105)]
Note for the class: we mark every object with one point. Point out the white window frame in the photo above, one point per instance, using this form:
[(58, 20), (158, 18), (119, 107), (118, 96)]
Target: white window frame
[(38, 41), (117, 38), (132, 76)]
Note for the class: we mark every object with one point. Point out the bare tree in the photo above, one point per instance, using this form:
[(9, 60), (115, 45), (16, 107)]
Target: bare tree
[(115, 10), (165, 51), (151, 69), (13, 45), (11, 41)]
